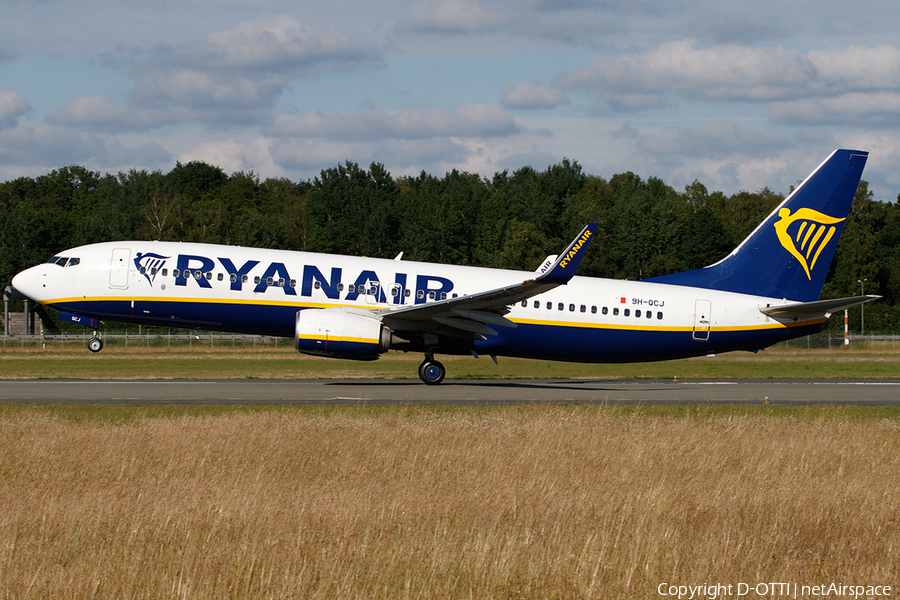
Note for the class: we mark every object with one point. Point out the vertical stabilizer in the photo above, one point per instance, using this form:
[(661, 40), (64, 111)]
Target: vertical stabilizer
[(788, 254)]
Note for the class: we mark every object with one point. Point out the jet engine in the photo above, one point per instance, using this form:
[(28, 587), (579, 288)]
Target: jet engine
[(338, 333)]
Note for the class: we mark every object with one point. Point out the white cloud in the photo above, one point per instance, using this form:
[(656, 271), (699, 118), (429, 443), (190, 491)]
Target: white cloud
[(13, 106), (453, 16), (531, 94), (236, 76), (683, 69), (46, 147), (99, 113), (227, 154), (471, 120), (283, 45), (877, 109), (857, 68)]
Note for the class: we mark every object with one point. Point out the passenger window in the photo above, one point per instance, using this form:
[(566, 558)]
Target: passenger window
[(269, 281), (408, 293), (455, 295), (561, 306), (281, 282), (395, 292), (649, 314), (220, 276), (659, 315), (340, 286), (431, 295), (317, 284), (209, 275), (616, 312), (637, 313), (143, 270), (571, 308), (524, 303), (420, 294), (537, 304), (549, 305), (443, 295), (233, 277), (593, 310), (165, 272), (605, 310), (583, 308), (293, 283), (197, 274), (175, 273), (244, 279), (627, 312), (351, 288), (256, 280)]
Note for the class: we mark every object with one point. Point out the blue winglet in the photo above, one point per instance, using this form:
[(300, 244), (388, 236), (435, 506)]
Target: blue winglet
[(568, 262)]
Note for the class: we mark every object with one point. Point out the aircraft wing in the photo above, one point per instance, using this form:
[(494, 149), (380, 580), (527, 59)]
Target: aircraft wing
[(474, 313), (819, 307)]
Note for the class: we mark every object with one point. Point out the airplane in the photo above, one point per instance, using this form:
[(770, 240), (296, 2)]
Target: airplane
[(765, 291)]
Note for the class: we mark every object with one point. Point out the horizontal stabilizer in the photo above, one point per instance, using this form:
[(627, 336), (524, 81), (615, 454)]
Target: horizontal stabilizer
[(819, 307)]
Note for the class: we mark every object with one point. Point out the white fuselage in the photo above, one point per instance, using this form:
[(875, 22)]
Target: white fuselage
[(253, 290)]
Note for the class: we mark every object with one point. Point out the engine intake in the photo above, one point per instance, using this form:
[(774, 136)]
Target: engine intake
[(338, 333)]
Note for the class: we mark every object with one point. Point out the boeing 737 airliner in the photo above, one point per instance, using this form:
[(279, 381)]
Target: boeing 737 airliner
[(764, 292)]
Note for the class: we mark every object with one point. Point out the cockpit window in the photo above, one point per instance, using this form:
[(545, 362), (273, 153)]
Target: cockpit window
[(64, 261)]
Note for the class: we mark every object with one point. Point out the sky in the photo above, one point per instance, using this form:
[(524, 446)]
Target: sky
[(736, 95)]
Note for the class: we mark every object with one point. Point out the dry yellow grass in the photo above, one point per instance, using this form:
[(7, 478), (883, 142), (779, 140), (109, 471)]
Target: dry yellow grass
[(517, 502)]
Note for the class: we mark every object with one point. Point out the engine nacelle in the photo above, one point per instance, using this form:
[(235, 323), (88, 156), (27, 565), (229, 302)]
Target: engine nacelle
[(341, 334)]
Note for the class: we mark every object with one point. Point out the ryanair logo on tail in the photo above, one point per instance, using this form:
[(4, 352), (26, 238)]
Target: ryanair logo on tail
[(806, 241)]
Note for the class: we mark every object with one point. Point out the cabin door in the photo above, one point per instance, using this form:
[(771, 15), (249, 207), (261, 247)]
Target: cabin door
[(702, 319)]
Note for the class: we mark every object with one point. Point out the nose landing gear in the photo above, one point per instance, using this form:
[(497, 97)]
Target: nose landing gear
[(95, 344)]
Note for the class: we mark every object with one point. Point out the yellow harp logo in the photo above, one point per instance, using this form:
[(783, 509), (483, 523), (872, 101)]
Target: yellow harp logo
[(812, 235)]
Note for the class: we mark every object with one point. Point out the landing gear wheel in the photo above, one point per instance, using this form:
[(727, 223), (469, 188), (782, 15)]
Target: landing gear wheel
[(432, 372), (95, 344)]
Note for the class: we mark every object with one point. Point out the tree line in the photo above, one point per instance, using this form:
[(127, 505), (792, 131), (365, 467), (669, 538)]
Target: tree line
[(512, 220)]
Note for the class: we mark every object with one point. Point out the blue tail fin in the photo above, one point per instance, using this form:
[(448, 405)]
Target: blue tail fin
[(788, 254)]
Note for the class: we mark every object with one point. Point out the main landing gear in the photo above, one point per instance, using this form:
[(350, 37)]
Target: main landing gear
[(431, 371)]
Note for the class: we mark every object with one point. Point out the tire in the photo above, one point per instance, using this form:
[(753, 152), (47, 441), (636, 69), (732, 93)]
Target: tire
[(432, 372), (95, 344)]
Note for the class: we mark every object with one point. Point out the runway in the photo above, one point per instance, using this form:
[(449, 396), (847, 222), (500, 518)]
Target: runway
[(730, 391)]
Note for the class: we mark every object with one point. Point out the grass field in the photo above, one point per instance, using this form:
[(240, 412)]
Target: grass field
[(202, 362), (209, 502), (442, 502)]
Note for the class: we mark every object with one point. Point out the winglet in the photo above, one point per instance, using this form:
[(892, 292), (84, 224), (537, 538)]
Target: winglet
[(567, 263)]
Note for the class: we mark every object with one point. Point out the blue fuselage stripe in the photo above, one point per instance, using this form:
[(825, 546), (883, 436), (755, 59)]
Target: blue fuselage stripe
[(575, 343)]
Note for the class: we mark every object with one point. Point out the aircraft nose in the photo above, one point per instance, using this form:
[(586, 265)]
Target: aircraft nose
[(26, 282)]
